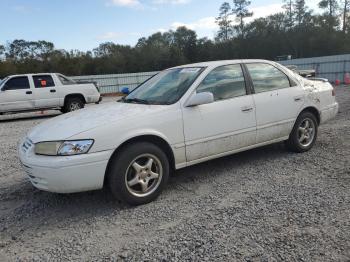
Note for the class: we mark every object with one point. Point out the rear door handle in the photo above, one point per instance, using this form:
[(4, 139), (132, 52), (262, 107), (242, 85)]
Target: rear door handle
[(53, 91), (29, 92), (247, 109)]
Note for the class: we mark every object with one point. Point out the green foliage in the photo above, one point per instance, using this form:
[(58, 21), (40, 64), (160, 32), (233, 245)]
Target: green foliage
[(299, 33), (2, 49), (346, 15), (330, 15), (224, 22), (240, 10), (302, 14), (289, 12)]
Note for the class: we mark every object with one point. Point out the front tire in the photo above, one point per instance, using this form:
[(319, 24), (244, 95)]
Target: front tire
[(138, 173), (304, 133)]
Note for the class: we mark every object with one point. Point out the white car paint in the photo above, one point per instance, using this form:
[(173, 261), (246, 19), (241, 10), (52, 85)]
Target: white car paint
[(194, 134), (43, 98), (204, 142)]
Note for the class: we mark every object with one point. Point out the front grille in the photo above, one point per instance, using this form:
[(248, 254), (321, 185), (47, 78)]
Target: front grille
[(27, 144)]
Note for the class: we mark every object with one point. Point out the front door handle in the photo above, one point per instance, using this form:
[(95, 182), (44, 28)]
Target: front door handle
[(53, 91), (29, 92), (247, 109)]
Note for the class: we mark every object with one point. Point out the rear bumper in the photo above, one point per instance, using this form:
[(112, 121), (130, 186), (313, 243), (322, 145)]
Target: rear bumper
[(329, 112), (99, 100), (66, 174)]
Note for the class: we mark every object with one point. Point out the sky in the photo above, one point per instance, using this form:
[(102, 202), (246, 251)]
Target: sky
[(84, 24)]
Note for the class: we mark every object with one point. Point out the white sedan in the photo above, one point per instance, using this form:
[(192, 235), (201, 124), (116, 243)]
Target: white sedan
[(180, 117)]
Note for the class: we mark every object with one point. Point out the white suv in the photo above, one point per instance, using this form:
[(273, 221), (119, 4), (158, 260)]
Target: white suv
[(31, 92)]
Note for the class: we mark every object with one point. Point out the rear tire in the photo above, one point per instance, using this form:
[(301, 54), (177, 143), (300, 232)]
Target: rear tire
[(138, 173), (72, 104), (304, 133)]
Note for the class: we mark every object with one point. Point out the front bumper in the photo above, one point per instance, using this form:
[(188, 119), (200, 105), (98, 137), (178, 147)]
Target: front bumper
[(68, 174)]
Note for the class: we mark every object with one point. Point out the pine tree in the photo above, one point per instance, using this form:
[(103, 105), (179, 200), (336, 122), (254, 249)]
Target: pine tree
[(331, 7), (288, 6), (240, 10), (224, 22), (301, 12), (346, 7)]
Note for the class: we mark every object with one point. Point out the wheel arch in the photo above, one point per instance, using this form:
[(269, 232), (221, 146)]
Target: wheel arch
[(78, 95), (314, 111), (151, 138)]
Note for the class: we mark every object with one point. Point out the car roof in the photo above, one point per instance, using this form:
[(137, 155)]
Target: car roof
[(32, 74), (225, 62)]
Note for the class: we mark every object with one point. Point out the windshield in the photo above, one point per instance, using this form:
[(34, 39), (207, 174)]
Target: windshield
[(165, 88), (2, 81)]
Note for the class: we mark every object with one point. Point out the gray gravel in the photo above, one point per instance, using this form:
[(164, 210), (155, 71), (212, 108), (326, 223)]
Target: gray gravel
[(265, 204)]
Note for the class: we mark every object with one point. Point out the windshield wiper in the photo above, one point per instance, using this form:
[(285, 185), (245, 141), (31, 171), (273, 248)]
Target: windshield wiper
[(136, 100)]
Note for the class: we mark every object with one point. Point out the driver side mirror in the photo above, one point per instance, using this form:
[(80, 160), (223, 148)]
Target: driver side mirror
[(200, 99)]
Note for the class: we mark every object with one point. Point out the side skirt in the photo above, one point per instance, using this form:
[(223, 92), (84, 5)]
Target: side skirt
[(197, 161)]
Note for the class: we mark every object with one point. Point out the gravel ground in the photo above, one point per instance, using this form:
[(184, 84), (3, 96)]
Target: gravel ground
[(265, 204)]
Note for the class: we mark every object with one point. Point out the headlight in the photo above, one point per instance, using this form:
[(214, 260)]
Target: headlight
[(47, 148), (63, 148), (69, 148)]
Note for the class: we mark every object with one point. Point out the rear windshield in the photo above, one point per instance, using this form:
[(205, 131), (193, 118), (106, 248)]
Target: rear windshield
[(65, 80)]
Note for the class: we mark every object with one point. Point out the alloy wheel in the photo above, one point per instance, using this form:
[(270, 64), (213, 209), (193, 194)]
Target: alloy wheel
[(306, 132), (74, 106), (144, 175)]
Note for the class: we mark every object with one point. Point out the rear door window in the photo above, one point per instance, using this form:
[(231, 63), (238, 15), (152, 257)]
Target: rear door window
[(42, 81), (17, 83), (266, 77)]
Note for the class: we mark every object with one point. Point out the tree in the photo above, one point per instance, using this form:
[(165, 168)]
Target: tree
[(205, 50), (42, 49), (17, 50), (346, 8), (224, 22), (301, 12), (240, 10), (104, 49), (2, 51), (21, 49), (331, 7), (186, 40), (288, 6), (308, 35)]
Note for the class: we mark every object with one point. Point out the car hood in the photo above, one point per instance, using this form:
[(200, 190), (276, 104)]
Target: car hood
[(68, 125)]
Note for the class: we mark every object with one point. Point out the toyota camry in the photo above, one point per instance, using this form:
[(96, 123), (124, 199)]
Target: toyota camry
[(180, 117)]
